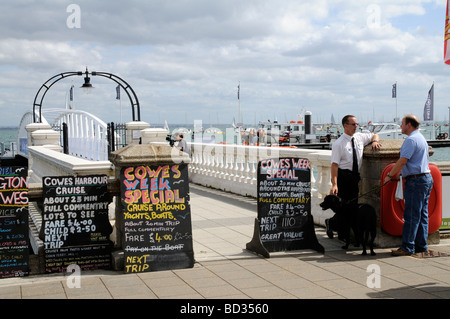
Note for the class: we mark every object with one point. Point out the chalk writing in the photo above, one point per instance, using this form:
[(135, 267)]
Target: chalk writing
[(156, 211), (14, 240), (87, 257), (75, 214), (284, 204)]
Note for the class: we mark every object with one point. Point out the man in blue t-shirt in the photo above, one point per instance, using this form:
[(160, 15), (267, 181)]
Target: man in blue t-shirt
[(413, 164)]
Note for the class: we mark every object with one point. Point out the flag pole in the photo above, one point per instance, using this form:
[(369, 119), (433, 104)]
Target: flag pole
[(69, 105), (239, 103), (434, 128), (447, 35), (66, 103), (394, 95), (120, 101), (396, 114)]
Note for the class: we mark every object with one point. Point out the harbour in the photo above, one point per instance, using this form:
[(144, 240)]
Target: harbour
[(441, 147)]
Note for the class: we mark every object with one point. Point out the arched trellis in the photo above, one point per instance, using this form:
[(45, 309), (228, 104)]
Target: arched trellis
[(122, 83)]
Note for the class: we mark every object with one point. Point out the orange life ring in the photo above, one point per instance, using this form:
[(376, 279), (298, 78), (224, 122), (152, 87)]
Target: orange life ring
[(284, 146), (391, 210)]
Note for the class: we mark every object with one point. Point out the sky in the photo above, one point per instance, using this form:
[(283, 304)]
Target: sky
[(186, 58)]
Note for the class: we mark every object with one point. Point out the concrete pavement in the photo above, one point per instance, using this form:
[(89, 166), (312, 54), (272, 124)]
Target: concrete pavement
[(222, 225)]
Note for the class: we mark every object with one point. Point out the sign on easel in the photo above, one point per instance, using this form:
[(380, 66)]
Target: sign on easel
[(284, 207), (76, 225), (157, 218), (14, 233)]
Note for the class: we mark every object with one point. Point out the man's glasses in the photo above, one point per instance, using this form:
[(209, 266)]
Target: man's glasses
[(354, 124)]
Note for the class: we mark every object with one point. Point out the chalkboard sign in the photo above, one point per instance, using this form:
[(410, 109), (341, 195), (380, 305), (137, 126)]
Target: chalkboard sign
[(157, 218), (75, 224), (14, 238), (284, 207)]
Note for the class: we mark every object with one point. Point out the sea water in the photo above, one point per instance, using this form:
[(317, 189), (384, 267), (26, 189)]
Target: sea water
[(7, 135), (441, 154)]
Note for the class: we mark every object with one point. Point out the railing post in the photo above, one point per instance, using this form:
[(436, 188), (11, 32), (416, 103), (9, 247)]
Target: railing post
[(40, 134), (65, 132), (134, 131)]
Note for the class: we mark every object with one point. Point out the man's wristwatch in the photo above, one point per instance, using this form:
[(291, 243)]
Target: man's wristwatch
[(389, 175)]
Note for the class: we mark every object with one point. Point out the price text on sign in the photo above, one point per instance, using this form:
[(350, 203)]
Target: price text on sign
[(284, 204), (157, 219), (75, 214)]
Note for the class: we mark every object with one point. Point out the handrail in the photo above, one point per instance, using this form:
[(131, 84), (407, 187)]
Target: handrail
[(87, 134)]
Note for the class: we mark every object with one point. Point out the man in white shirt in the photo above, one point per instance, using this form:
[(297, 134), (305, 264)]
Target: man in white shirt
[(346, 160)]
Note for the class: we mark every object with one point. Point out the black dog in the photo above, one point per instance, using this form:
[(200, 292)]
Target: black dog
[(363, 223)]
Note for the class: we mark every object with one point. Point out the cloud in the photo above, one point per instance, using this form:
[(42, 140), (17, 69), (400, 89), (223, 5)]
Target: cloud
[(185, 58)]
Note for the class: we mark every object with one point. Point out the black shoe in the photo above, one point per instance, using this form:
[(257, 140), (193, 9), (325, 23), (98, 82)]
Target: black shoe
[(329, 231)]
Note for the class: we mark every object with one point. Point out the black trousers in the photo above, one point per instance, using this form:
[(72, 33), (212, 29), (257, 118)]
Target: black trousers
[(348, 190)]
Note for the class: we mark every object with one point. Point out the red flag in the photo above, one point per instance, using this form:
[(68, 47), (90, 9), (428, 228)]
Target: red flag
[(447, 37)]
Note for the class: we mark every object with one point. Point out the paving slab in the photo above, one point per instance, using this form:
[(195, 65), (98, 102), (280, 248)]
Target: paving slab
[(222, 225)]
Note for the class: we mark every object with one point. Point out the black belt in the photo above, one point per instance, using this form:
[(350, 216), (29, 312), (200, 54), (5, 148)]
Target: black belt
[(416, 175)]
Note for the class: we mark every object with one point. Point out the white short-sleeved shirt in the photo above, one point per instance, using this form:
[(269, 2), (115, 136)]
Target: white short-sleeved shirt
[(342, 153)]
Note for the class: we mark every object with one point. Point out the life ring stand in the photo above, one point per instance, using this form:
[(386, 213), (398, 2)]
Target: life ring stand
[(391, 210)]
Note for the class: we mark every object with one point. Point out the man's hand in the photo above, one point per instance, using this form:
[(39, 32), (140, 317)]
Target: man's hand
[(387, 179), (375, 146), (334, 190)]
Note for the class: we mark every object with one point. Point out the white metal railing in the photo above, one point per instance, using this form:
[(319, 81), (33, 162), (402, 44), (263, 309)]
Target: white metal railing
[(87, 134)]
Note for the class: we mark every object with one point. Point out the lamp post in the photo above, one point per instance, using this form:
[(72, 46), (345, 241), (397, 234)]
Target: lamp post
[(87, 86)]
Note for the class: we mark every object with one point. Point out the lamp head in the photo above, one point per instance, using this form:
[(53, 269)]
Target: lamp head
[(87, 86)]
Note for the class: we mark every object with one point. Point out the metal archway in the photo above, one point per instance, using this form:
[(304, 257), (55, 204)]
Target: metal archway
[(122, 83)]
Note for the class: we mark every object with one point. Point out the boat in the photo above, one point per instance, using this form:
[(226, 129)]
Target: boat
[(287, 133), (393, 131), (294, 133), (386, 130), (268, 133)]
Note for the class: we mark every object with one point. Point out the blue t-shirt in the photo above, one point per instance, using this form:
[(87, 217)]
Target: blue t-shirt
[(415, 149)]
